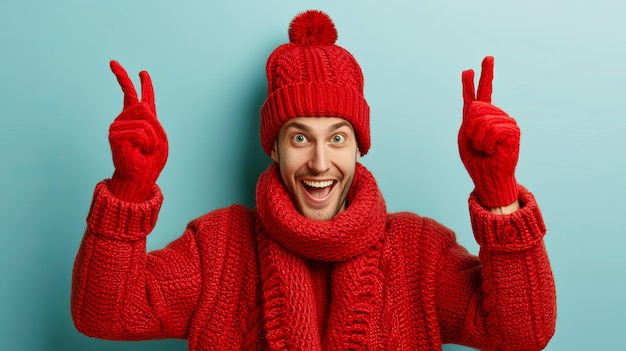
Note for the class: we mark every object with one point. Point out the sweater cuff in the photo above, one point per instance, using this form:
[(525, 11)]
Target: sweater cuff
[(122, 220), (518, 231)]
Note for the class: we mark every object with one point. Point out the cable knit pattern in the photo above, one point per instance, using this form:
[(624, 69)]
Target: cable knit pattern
[(352, 237), (229, 282), (312, 76), (348, 234)]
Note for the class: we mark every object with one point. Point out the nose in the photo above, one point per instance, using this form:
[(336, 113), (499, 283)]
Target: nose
[(319, 162)]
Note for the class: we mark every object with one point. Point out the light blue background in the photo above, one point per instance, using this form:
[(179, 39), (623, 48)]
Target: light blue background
[(559, 71)]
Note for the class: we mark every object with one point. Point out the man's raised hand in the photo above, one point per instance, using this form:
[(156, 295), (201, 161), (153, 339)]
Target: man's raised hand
[(488, 141), (138, 141)]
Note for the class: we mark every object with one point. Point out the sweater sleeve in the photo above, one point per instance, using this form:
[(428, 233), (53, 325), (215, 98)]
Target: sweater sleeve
[(506, 299), (119, 291)]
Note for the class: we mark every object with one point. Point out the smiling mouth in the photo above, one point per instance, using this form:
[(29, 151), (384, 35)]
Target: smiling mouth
[(318, 189)]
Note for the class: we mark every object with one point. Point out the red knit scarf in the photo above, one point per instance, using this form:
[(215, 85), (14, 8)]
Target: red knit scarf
[(351, 240)]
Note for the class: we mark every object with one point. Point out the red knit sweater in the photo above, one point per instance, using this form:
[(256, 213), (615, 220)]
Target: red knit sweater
[(270, 279)]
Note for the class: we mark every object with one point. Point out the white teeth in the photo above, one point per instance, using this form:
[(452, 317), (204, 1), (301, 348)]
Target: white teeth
[(316, 184)]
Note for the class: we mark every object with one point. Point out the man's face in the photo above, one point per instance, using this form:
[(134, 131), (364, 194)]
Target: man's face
[(317, 157)]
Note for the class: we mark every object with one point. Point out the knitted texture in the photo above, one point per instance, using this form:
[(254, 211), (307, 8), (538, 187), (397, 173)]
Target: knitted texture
[(352, 240), (231, 283), (138, 220), (138, 142), (488, 141), (312, 77)]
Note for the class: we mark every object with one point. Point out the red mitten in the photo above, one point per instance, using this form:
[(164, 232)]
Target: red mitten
[(138, 142), (488, 141)]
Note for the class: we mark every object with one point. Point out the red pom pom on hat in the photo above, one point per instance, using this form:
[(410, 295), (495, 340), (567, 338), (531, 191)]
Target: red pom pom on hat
[(312, 27)]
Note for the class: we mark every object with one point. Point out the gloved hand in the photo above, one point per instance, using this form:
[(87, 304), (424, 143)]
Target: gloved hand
[(488, 141), (138, 142)]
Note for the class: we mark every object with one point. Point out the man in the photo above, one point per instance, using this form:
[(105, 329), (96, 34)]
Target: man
[(319, 264)]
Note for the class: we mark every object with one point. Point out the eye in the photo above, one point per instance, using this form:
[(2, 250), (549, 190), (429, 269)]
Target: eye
[(338, 138), (299, 139)]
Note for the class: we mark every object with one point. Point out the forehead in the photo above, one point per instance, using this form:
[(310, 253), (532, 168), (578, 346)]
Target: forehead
[(321, 124)]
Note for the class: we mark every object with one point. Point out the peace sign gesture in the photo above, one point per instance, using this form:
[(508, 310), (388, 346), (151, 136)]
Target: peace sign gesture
[(138, 142), (488, 141)]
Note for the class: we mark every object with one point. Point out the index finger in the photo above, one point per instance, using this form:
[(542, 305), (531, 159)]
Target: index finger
[(485, 82), (130, 95), (467, 78)]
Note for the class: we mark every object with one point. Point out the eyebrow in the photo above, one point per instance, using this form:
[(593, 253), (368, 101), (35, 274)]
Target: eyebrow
[(306, 128)]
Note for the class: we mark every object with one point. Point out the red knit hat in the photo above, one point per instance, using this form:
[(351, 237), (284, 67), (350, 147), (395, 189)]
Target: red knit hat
[(312, 77)]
